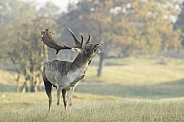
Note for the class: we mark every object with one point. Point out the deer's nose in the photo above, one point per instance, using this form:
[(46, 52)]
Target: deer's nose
[(98, 45)]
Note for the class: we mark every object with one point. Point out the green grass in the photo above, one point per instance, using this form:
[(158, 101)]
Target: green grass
[(138, 71), (7, 88), (130, 90), (154, 91), (89, 108)]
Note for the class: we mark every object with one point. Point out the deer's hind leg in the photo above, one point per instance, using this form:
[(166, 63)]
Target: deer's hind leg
[(64, 97), (48, 89)]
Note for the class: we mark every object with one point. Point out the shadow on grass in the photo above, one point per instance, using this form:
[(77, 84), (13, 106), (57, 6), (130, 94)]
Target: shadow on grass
[(7, 88), (171, 89)]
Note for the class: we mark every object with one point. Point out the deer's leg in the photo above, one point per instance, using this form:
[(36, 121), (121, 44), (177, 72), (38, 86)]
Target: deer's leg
[(69, 95), (71, 100), (48, 89), (64, 97), (72, 90), (58, 95)]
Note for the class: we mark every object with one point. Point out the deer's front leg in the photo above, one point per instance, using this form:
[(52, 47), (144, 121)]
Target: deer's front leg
[(58, 95)]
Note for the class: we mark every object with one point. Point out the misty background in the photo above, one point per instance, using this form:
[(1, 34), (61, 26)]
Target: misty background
[(148, 29)]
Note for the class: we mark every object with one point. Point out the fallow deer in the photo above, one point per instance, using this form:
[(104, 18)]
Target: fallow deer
[(66, 75)]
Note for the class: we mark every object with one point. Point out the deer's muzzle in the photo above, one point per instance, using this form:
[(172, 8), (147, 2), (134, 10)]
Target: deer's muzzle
[(97, 48)]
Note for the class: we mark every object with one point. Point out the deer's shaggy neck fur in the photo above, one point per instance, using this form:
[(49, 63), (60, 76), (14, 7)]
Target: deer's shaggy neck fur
[(80, 62)]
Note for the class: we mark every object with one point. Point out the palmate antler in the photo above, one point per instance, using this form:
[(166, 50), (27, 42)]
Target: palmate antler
[(47, 39)]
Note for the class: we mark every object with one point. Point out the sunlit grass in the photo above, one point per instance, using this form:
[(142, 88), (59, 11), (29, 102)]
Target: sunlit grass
[(90, 108), (133, 90), (138, 71)]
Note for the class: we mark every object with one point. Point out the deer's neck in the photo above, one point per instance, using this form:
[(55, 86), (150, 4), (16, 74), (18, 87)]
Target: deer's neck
[(80, 62)]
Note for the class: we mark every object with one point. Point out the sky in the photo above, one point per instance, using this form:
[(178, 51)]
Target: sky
[(62, 4)]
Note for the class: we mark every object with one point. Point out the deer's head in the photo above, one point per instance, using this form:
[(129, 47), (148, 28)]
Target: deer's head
[(88, 50)]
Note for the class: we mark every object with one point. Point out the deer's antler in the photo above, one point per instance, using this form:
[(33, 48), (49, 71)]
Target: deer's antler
[(77, 43), (47, 39), (88, 39)]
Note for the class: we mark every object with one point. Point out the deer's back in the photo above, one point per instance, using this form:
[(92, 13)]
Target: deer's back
[(56, 71), (60, 73)]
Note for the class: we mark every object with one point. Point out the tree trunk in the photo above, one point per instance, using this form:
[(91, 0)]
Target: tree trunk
[(101, 64), (35, 84), (34, 88), (17, 80), (24, 88)]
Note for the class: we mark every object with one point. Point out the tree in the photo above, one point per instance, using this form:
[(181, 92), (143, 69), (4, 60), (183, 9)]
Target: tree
[(128, 27), (123, 28), (89, 17), (11, 13), (156, 26), (179, 23), (27, 52)]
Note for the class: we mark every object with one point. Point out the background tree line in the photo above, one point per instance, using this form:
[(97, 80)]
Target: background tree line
[(123, 28)]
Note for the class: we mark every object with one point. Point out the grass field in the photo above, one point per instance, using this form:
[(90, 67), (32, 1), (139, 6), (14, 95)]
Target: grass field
[(94, 108), (89, 108), (130, 90)]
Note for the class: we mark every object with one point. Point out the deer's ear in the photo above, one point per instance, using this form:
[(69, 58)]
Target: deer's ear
[(76, 50)]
